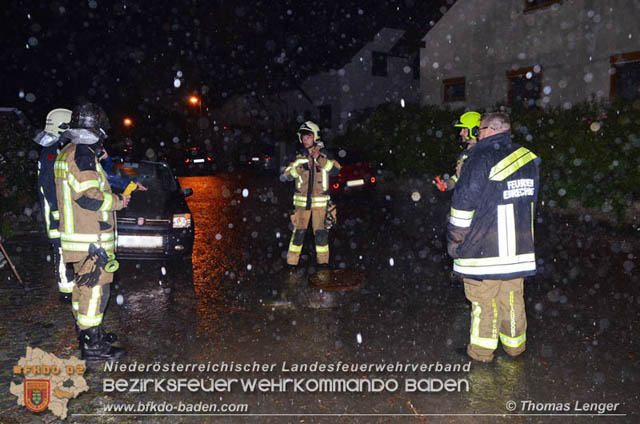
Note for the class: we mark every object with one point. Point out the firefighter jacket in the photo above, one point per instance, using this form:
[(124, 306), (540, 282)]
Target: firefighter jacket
[(311, 178), (85, 202), (490, 230), (47, 192)]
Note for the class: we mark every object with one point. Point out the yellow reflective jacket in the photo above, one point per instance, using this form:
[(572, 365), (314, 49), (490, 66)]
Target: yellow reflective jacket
[(87, 206), (311, 178)]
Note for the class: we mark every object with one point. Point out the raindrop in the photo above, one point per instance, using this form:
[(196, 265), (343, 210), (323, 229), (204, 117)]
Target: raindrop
[(278, 235), (435, 65), (245, 192), (33, 41), (218, 236), (588, 77), (163, 270), (249, 267), (547, 89), (179, 74), (401, 102), (406, 69), (176, 82), (359, 338), (93, 4), (595, 126), (31, 97), (119, 299), (391, 262), (415, 196), (628, 266), (48, 258), (529, 75), (345, 88)]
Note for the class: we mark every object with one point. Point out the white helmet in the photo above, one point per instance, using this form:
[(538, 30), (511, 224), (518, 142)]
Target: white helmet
[(309, 126), (55, 119)]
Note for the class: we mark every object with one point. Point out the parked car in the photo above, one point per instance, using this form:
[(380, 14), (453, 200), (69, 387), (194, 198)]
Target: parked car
[(198, 162), (157, 223), (356, 172), (266, 160)]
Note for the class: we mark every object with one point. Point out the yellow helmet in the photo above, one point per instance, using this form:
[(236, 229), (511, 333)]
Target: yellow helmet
[(55, 119), (470, 120), (309, 126)]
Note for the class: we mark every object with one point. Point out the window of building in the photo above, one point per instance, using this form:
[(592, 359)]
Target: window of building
[(454, 89), (625, 76), (379, 68), (538, 4), (324, 113), (525, 86)]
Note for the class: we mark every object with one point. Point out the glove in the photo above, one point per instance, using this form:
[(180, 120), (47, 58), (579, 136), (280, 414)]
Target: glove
[(89, 272)]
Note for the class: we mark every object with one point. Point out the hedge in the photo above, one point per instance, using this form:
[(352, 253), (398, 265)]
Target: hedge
[(590, 151)]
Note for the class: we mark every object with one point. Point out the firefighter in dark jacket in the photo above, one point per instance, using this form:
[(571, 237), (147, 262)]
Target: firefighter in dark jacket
[(469, 122), (49, 139), (490, 237), (87, 227), (310, 170)]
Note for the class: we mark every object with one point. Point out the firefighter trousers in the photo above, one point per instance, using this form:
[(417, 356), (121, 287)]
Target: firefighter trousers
[(63, 272), (89, 303), (497, 313), (300, 221)]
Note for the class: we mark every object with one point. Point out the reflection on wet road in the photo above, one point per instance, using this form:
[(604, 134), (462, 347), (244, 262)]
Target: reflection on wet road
[(215, 244)]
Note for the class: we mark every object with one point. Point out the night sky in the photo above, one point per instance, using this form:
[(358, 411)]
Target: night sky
[(126, 55)]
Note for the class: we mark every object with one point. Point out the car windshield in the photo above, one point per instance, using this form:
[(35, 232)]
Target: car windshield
[(153, 175)]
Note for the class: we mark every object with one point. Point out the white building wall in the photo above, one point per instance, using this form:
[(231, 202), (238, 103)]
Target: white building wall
[(571, 41)]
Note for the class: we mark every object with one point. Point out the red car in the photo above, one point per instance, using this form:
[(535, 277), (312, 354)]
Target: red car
[(356, 172)]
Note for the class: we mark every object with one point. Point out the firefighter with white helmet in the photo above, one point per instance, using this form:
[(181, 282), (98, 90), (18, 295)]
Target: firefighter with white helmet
[(311, 170), (56, 122)]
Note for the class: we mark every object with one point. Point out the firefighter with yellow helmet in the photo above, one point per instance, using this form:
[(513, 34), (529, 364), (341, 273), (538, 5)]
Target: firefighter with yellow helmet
[(469, 124), (311, 170)]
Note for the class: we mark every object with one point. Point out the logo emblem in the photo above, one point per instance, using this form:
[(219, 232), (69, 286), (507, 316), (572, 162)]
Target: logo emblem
[(36, 395)]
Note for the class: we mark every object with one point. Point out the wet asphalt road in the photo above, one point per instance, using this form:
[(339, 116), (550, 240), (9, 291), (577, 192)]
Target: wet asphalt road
[(582, 309)]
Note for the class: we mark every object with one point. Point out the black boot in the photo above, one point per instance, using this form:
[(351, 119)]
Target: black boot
[(95, 348), (108, 337)]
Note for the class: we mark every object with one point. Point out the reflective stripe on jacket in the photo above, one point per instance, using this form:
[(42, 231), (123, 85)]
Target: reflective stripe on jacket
[(311, 178), (86, 204), (490, 231)]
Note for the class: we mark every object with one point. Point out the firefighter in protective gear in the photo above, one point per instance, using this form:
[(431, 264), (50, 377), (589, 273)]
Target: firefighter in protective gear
[(56, 122), (87, 217), (469, 124), (310, 171), (490, 237)]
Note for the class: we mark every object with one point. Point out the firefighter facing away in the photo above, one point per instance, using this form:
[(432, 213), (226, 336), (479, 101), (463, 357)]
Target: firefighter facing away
[(87, 227), (490, 237), (469, 124), (56, 122), (310, 171)]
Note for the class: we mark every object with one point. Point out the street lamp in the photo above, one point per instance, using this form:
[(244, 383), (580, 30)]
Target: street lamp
[(195, 101), (127, 122)]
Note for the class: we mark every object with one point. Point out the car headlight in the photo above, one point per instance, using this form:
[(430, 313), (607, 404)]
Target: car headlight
[(182, 220)]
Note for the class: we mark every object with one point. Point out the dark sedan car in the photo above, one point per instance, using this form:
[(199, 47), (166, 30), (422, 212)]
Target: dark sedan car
[(157, 223)]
